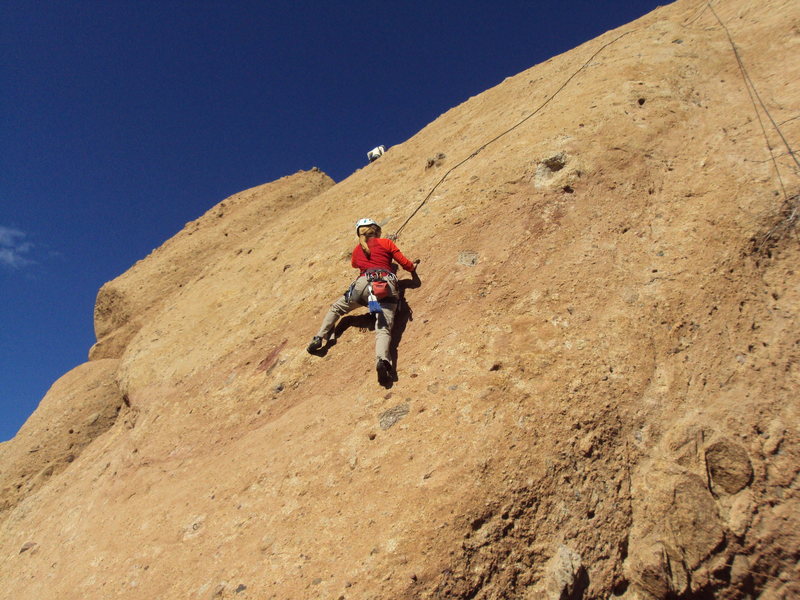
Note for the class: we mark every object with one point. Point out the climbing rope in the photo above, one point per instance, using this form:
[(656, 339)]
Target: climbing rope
[(790, 204), (751, 90), (754, 95), (507, 131)]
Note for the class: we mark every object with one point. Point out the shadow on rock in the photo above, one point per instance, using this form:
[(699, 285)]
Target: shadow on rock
[(403, 316)]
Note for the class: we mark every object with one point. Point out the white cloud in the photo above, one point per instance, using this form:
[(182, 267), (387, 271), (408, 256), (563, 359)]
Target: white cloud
[(14, 248), (8, 236)]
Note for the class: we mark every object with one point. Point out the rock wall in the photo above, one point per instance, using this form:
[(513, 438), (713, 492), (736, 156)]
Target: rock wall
[(597, 377), (77, 409), (233, 226)]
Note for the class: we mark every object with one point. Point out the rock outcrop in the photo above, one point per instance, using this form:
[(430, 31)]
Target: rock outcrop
[(597, 378), (234, 226), (77, 409)]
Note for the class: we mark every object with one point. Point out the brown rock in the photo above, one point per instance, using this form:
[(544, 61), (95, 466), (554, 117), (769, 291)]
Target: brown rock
[(656, 571), (741, 513), (565, 575), (676, 528), (125, 304), (393, 415), (694, 520), (78, 408), (615, 314), (740, 569), (729, 467), (27, 546)]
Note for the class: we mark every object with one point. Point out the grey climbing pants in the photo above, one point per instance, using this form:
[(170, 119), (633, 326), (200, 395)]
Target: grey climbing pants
[(356, 297)]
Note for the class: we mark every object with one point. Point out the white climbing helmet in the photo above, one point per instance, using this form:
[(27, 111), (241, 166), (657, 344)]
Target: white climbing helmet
[(366, 223)]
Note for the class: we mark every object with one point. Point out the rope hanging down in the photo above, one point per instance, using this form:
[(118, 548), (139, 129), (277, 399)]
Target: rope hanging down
[(791, 205), (545, 103), (754, 95)]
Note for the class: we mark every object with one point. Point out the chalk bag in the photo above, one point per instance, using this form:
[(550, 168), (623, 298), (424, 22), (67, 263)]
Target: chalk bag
[(373, 304), (381, 289)]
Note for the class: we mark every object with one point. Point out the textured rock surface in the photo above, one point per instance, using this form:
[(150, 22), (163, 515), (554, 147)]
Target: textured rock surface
[(233, 227), (729, 467), (604, 339), (78, 408)]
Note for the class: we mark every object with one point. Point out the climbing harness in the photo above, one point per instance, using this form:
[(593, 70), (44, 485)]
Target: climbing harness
[(396, 234), (374, 275), (381, 283)]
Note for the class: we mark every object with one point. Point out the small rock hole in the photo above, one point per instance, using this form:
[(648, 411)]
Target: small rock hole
[(555, 163), (620, 588), (477, 523)]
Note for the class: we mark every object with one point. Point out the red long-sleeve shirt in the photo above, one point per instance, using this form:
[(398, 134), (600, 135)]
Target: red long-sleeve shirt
[(381, 253)]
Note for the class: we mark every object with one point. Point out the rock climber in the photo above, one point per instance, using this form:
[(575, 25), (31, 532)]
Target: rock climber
[(376, 286)]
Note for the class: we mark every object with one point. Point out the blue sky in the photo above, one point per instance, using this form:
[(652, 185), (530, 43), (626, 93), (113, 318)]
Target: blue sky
[(122, 120)]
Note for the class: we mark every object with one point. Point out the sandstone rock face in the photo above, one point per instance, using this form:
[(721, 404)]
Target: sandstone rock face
[(565, 576), (233, 227), (78, 408), (729, 467), (597, 377)]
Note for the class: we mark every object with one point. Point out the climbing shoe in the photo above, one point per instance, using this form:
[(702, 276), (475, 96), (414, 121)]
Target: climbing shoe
[(316, 344), (384, 369)]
